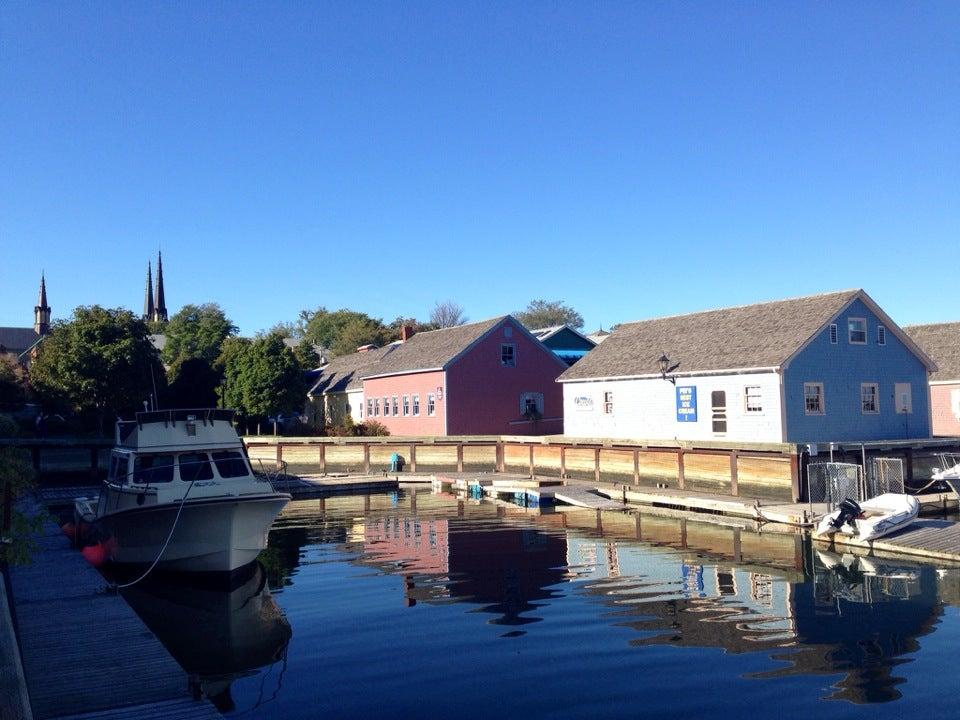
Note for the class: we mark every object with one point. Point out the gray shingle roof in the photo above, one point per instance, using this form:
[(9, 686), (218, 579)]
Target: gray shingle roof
[(344, 373), (750, 336), (431, 349), (16, 339), (941, 341)]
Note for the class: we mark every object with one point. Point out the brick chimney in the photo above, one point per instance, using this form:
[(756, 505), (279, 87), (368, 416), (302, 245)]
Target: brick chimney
[(406, 332), (366, 348)]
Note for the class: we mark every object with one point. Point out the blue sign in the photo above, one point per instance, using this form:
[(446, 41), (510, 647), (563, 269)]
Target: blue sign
[(687, 403)]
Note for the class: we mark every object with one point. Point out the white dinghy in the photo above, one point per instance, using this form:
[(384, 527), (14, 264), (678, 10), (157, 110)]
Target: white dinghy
[(872, 518)]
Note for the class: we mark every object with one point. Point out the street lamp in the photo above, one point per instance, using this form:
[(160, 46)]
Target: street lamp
[(666, 368)]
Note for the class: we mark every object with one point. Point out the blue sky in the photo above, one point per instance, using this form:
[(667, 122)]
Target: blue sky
[(631, 159)]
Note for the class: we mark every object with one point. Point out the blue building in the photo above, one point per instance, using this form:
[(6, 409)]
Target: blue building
[(824, 368), (565, 342)]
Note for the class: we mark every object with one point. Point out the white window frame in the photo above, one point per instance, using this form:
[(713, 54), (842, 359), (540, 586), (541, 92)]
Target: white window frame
[(881, 334), (758, 410), (416, 405), (537, 398), (850, 331), (376, 407), (406, 405), (431, 405), (834, 334), (396, 406), (876, 398), (369, 407), (513, 355), (823, 399)]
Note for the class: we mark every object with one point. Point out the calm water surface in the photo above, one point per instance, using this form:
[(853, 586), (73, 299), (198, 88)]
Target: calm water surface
[(419, 605)]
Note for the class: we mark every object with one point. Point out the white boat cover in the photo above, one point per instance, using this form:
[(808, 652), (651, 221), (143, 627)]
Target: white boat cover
[(883, 515)]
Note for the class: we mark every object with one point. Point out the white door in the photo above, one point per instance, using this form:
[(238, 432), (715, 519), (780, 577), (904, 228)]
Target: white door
[(903, 398)]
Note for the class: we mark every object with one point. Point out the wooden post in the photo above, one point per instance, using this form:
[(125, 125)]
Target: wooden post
[(681, 478), (908, 466), (500, 458), (323, 458), (460, 457), (637, 522), (636, 474), (413, 500), (683, 534), (795, 476), (279, 455), (596, 464), (366, 458), (366, 503), (531, 461), (563, 461), (413, 458), (734, 487), (737, 552)]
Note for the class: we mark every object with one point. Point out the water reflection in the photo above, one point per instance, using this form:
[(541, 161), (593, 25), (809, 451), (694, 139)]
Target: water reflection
[(216, 634)]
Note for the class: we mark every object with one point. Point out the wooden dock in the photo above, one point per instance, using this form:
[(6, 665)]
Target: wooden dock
[(85, 652), (927, 538), (579, 496)]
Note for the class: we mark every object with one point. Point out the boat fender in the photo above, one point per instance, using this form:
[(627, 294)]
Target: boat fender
[(96, 555)]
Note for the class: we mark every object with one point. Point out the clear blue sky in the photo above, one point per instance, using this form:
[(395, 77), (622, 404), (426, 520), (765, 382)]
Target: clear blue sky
[(632, 159)]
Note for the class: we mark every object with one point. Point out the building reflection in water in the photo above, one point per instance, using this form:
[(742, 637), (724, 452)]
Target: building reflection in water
[(217, 635), (673, 581)]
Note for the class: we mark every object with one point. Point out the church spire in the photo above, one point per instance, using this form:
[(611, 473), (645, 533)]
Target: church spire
[(148, 297), (41, 313), (160, 306)]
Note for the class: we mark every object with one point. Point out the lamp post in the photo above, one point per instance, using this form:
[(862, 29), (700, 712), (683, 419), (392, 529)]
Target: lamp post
[(666, 368)]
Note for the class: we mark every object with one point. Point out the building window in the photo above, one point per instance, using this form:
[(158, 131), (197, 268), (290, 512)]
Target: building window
[(406, 405), (416, 405), (857, 331), (360, 407), (396, 406), (376, 407), (869, 398), (608, 403), (431, 404), (369, 407), (753, 399), (813, 398), (508, 355), (881, 335), (531, 405), (718, 404), (507, 331), (833, 334)]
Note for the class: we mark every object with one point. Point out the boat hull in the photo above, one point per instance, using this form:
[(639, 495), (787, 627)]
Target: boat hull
[(885, 514), (211, 535)]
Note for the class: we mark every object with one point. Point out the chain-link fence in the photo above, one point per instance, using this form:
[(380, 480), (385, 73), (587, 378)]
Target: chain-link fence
[(832, 482), (884, 475)]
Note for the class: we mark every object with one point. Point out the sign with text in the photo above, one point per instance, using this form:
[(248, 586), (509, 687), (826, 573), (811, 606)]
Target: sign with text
[(687, 403), (583, 403)]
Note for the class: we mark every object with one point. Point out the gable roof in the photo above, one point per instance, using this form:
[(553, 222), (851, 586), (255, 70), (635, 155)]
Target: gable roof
[(432, 350), (544, 334), (17, 338), (764, 335), (344, 373), (941, 341)]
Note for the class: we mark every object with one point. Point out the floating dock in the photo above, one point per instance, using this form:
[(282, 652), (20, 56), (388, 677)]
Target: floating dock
[(926, 538)]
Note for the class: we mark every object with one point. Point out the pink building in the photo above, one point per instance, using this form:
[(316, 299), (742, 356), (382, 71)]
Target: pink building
[(485, 378), (941, 341)]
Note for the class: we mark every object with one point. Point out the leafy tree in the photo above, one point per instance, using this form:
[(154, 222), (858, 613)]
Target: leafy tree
[(193, 384), (99, 362), (447, 314), (400, 322), (197, 331), (547, 313), (230, 365), (307, 357), (13, 384), (326, 329), (286, 329), (16, 477), (263, 377)]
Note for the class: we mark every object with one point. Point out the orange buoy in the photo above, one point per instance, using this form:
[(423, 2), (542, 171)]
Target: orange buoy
[(70, 530), (96, 555)]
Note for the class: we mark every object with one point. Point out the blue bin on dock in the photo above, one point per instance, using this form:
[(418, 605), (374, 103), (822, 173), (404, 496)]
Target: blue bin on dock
[(396, 463)]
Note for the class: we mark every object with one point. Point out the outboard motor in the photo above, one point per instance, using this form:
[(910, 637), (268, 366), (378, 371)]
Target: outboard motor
[(849, 511)]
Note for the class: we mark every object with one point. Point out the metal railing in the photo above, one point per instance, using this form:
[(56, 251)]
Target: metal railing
[(831, 483)]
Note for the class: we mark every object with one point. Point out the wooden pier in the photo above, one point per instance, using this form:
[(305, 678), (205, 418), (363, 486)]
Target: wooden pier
[(85, 652), (928, 538)]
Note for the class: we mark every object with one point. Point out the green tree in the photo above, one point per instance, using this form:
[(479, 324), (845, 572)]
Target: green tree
[(230, 365), (13, 384), (193, 384), (327, 329), (306, 355), (400, 322), (547, 313), (197, 331), (100, 362), (264, 378), (16, 477)]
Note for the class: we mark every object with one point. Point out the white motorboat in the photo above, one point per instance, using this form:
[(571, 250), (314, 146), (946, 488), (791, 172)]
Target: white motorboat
[(949, 472), (872, 518), (180, 494)]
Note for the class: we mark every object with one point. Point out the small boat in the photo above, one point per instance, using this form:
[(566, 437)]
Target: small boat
[(872, 518), (180, 495), (949, 473)]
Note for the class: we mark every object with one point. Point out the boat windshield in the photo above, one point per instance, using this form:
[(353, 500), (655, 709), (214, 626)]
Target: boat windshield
[(119, 468), (230, 464), (151, 469), (195, 466)]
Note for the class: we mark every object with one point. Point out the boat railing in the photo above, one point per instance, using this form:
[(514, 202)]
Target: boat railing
[(948, 460)]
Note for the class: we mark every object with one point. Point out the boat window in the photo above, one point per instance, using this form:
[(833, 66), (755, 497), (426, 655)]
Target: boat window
[(230, 464), (118, 468), (150, 469), (195, 466)]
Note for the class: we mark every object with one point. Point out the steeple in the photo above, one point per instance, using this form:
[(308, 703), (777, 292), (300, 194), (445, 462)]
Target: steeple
[(160, 306), (148, 298), (41, 313)]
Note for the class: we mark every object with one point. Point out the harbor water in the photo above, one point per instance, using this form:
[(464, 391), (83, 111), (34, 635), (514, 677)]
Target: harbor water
[(425, 605)]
